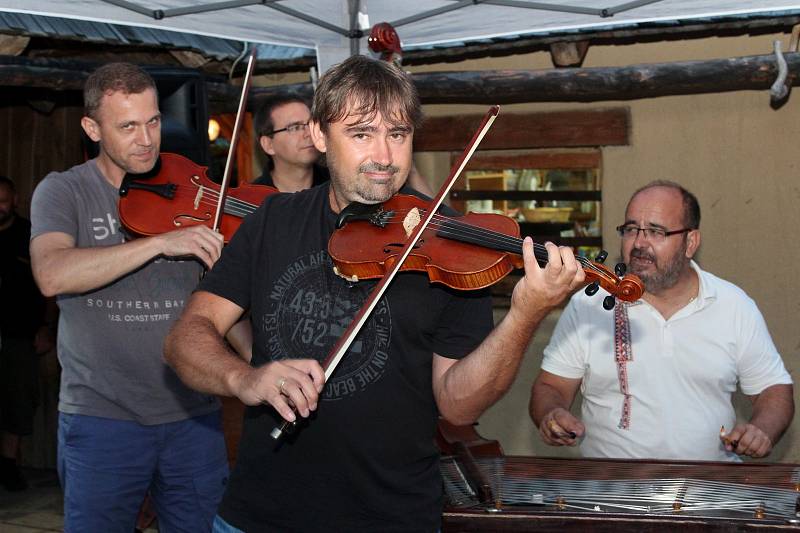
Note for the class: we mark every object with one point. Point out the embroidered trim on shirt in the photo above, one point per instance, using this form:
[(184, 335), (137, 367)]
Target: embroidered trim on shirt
[(623, 353)]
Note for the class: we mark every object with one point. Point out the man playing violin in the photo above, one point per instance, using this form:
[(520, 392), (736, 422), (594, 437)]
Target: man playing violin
[(657, 375), (127, 424), (365, 459), (281, 124)]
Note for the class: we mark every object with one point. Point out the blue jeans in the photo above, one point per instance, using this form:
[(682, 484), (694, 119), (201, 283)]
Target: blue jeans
[(107, 466), (221, 526)]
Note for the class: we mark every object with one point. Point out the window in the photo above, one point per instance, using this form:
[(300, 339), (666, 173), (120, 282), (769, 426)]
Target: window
[(554, 195)]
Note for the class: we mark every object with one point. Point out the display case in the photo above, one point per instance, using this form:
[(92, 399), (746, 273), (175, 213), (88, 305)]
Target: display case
[(555, 196)]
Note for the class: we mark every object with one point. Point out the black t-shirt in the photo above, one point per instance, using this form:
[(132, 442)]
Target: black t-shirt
[(320, 175), (22, 306), (366, 461)]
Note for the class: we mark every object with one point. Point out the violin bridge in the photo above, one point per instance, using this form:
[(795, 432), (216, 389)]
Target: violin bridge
[(198, 197), (411, 221)]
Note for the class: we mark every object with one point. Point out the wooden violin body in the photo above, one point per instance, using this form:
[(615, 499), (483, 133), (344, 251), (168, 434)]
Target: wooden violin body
[(363, 249), (177, 193), (467, 252)]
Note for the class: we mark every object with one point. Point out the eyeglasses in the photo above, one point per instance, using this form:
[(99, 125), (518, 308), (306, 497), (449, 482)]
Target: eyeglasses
[(627, 231), (297, 127)]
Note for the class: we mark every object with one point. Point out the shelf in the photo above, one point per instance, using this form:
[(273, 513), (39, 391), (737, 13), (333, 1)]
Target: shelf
[(521, 196)]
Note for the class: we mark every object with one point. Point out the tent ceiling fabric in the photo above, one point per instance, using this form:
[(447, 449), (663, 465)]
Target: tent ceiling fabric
[(323, 25)]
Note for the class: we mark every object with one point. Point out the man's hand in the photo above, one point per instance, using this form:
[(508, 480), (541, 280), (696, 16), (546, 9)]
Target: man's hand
[(560, 428), (198, 241), (747, 439), (546, 287), (283, 384)]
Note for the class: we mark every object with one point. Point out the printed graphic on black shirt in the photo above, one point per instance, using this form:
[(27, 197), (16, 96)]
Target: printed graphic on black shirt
[(310, 308)]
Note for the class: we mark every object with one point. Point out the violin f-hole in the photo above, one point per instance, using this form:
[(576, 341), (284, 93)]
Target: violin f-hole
[(388, 249), (191, 218)]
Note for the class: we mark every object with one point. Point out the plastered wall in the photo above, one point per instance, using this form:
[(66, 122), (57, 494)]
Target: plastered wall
[(736, 153)]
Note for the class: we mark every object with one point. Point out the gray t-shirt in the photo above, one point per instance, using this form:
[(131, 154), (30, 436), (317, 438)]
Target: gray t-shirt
[(110, 340)]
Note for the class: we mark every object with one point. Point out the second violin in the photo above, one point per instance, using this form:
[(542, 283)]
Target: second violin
[(178, 193)]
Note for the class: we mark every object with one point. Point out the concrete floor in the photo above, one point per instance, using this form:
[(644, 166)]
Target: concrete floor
[(37, 509)]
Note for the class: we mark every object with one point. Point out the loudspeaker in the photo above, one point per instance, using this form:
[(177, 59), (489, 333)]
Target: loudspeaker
[(183, 102)]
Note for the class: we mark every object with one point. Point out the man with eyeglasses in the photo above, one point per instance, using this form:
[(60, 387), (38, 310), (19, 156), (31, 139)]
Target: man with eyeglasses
[(281, 124), (657, 375)]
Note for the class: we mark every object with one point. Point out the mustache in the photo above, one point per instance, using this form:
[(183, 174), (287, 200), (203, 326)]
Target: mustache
[(641, 254), (377, 167)]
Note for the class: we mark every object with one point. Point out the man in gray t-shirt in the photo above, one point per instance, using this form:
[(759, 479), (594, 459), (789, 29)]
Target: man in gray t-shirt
[(127, 424)]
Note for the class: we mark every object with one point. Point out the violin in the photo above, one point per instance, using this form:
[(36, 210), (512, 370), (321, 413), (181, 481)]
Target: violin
[(466, 252), (178, 193)]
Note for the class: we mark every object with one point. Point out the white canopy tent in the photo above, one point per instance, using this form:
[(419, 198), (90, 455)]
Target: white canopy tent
[(336, 29)]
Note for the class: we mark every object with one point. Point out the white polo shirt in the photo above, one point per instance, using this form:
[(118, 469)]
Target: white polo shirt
[(681, 375)]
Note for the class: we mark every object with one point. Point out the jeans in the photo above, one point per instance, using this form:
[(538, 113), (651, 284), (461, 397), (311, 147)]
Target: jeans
[(107, 466), (221, 526)]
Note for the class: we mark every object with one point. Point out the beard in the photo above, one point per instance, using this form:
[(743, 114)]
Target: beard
[(365, 191), (6, 216), (131, 164), (666, 275)]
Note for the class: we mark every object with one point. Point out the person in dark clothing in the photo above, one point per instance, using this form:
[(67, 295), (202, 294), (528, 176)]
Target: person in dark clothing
[(281, 126), (25, 331), (366, 460)]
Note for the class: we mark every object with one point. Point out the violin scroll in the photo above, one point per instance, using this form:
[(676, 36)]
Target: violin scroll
[(627, 288)]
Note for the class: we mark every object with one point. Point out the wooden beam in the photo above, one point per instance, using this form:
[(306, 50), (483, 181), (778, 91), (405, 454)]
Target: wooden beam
[(43, 73), (527, 130), (488, 87), (604, 83), (599, 83)]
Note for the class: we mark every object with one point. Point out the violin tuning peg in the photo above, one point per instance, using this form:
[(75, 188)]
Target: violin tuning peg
[(592, 288), (608, 303), (601, 257), (620, 269)]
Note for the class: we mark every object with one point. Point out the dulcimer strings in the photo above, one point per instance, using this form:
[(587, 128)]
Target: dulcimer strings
[(738, 490)]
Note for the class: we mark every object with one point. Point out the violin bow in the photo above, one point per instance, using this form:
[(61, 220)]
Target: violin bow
[(237, 126), (343, 344)]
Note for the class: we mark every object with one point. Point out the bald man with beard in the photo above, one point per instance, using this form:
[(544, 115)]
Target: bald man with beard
[(657, 375)]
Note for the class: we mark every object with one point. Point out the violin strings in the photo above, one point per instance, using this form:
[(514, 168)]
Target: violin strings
[(233, 206), (243, 206), (451, 227), (459, 230)]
